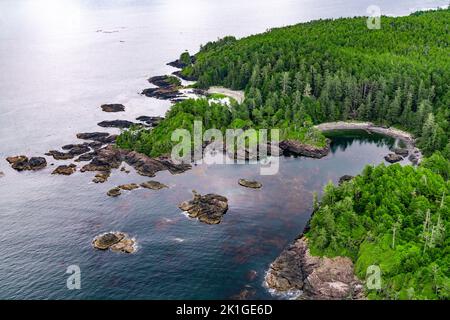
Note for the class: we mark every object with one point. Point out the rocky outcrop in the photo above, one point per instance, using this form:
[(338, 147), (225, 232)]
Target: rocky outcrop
[(86, 157), (179, 64), (101, 177), (122, 124), (180, 75), (114, 107), (21, 163), (293, 147), (162, 93), (209, 208), (102, 137), (66, 170), (296, 272), (401, 152), (115, 241), (147, 166), (393, 158), (345, 178), (129, 186), (165, 81), (73, 150), (114, 192), (111, 157), (250, 184), (153, 185), (150, 121)]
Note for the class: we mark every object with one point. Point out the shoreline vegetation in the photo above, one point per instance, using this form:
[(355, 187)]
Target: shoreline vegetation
[(306, 80)]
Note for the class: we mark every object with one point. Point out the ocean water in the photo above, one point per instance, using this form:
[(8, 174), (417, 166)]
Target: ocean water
[(59, 61)]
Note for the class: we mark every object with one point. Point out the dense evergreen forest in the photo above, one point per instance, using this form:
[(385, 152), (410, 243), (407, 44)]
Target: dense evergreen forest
[(392, 216), (339, 69), (396, 218)]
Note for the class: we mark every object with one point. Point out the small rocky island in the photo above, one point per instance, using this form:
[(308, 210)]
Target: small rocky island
[(115, 241), (21, 163), (209, 208), (114, 107), (250, 184)]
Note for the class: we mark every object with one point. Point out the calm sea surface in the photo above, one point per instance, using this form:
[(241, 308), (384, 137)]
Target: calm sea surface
[(59, 61)]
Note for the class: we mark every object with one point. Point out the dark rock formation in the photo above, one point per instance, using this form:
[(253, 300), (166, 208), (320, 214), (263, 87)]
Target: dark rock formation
[(65, 169), (58, 155), (114, 107), (165, 81), (115, 241), (101, 177), (292, 147), (209, 208), (21, 163), (102, 137), (401, 152), (151, 121), (86, 157), (392, 158), (111, 157), (106, 159), (116, 124), (180, 75), (179, 64), (250, 184), (296, 271), (345, 178), (114, 192), (128, 187), (162, 93), (153, 185)]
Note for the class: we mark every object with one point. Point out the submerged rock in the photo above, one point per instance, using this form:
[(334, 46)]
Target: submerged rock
[(114, 107), (392, 158), (65, 169), (345, 178), (292, 147), (101, 177), (2, 174), (209, 208), (115, 241), (250, 183), (295, 270), (128, 187), (116, 124), (153, 185), (21, 163), (114, 192)]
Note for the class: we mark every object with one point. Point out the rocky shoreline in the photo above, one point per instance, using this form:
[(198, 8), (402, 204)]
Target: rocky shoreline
[(298, 274)]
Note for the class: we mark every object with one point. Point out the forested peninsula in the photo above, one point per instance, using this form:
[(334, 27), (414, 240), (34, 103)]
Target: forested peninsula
[(300, 76)]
